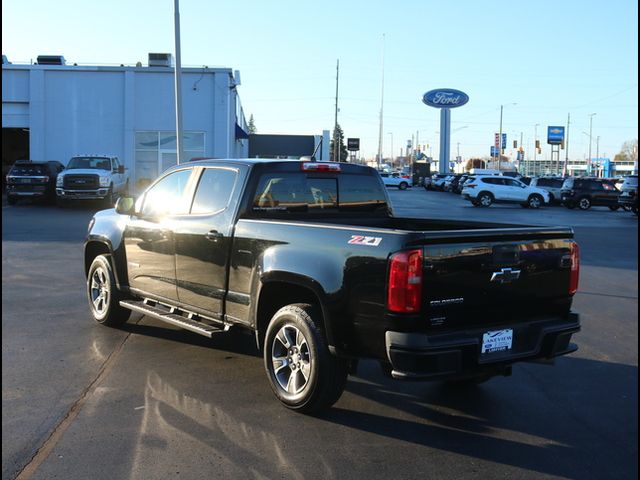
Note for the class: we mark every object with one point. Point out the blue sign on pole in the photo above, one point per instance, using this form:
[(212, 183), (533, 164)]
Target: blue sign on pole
[(504, 141), (494, 151), (555, 135)]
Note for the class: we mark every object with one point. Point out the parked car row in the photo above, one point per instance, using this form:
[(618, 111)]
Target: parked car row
[(87, 177), (487, 188)]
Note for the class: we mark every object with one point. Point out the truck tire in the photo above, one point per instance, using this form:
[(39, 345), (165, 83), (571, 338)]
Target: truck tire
[(535, 201), (485, 199), (302, 373), (103, 295), (61, 202), (109, 200), (584, 203)]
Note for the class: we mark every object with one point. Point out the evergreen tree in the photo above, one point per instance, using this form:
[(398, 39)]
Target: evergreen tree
[(251, 126), (344, 153)]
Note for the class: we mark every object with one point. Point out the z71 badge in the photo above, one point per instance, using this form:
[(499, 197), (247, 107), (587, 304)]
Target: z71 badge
[(362, 240)]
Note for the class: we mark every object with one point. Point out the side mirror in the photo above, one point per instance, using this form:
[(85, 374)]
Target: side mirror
[(125, 206), (121, 169)]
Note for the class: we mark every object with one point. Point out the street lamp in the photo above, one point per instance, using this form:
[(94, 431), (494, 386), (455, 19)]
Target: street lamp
[(391, 133), (590, 137), (500, 138), (535, 145), (597, 146)]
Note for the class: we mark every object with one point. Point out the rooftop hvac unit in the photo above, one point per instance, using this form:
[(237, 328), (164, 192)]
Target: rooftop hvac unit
[(51, 60), (160, 60), (5, 61)]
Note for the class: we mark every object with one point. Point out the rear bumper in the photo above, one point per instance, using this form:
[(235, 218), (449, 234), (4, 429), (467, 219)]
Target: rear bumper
[(431, 356), (100, 193)]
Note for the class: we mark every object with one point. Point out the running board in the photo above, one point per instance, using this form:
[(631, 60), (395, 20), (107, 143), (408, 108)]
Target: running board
[(174, 316)]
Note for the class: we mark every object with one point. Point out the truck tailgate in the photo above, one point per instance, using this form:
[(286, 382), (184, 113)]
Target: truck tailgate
[(496, 277)]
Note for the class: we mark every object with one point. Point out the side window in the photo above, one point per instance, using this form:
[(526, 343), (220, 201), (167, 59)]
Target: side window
[(214, 190), (596, 186), (167, 196), (542, 182), (116, 164)]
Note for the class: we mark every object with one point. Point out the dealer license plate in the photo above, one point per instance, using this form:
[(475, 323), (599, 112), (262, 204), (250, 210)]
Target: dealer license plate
[(497, 341)]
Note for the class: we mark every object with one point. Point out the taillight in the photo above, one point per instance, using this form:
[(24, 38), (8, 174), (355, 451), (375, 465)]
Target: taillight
[(575, 268), (404, 294), (320, 167), (473, 185)]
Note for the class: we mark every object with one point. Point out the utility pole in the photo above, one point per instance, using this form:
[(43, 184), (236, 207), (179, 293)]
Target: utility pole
[(566, 146), (500, 143), (178, 84), (336, 140), (381, 108)]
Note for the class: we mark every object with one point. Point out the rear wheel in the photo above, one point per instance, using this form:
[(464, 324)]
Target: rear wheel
[(614, 208), (584, 203), (570, 206), (403, 185), (102, 292), (485, 199), (302, 373), (535, 201)]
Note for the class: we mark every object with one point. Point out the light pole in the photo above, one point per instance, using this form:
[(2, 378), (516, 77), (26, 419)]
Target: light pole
[(535, 146), (590, 136), (500, 152), (597, 146), (391, 133)]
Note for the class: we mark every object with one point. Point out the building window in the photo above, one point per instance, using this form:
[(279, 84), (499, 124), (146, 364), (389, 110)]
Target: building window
[(157, 151)]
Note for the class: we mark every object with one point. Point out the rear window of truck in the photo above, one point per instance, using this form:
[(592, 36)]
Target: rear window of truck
[(317, 193)]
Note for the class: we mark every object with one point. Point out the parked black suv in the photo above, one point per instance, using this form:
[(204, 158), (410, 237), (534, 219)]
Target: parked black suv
[(586, 192), (28, 179)]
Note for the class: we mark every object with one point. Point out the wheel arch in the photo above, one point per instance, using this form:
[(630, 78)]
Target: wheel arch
[(279, 289), (95, 247)]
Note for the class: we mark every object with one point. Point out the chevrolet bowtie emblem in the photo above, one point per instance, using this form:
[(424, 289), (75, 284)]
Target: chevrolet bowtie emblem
[(505, 275)]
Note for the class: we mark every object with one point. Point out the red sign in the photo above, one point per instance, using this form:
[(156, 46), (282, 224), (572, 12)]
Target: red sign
[(497, 141)]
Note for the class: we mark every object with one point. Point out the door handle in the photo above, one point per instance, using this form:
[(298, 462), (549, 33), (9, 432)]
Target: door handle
[(213, 235)]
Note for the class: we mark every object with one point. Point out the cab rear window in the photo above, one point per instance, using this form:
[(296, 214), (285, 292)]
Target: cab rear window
[(317, 193)]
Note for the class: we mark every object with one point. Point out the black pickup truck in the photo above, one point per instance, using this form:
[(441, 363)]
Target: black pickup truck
[(309, 258)]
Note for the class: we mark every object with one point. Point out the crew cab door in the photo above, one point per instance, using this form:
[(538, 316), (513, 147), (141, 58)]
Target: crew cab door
[(149, 238), (203, 239)]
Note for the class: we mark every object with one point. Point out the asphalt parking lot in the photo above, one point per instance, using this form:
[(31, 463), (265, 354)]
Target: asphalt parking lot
[(150, 401)]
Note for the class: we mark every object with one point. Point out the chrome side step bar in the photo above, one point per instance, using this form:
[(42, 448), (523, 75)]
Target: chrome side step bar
[(174, 316)]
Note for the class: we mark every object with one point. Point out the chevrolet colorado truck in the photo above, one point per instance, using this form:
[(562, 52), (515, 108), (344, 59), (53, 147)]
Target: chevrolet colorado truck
[(309, 258)]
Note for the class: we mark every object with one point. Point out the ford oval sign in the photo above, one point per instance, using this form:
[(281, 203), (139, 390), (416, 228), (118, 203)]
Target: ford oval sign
[(445, 98)]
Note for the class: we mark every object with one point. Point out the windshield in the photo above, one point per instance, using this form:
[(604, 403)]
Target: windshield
[(99, 163)]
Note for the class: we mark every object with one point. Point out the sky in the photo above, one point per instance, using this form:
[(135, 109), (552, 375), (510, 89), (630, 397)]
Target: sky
[(540, 60)]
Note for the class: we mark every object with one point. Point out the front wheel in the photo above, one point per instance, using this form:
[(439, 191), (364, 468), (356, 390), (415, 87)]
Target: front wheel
[(302, 373), (535, 201), (103, 294), (614, 208), (584, 203), (403, 185)]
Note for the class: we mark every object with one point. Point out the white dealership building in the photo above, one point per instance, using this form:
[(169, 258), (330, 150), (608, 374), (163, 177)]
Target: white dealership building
[(52, 111)]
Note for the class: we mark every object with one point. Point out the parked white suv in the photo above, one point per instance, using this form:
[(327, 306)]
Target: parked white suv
[(482, 191), (97, 177), (553, 185), (395, 179)]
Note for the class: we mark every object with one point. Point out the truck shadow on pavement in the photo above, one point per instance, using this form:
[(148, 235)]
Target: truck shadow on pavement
[(575, 420)]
